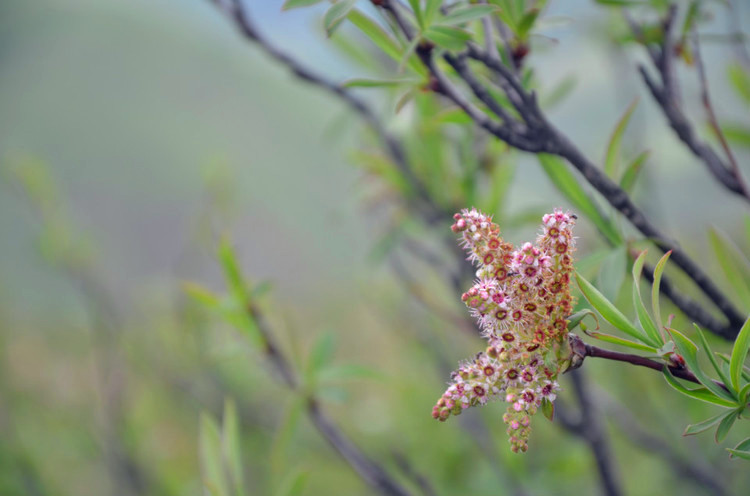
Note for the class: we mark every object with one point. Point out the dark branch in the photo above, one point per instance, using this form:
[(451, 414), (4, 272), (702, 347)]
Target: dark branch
[(544, 137), (666, 94)]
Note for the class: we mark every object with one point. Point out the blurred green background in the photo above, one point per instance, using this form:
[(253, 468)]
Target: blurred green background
[(162, 130)]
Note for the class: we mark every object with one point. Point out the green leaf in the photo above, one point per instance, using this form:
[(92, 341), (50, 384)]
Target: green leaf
[(658, 271), (447, 37), (321, 354), (611, 163), (621, 341), (293, 484), (293, 4), (381, 39), (733, 263), (631, 171), (689, 352), (742, 450), (726, 359), (725, 425), (432, 8), (548, 409), (231, 441), (212, 468), (417, 12), (648, 325), (737, 134), (336, 15), (575, 319), (693, 429), (201, 295), (467, 14), (607, 310), (739, 453), (744, 394), (558, 93), (527, 23), (232, 273), (612, 272), (701, 393), (571, 188), (378, 83), (292, 413), (740, 80), (739, 353), (722, 376)]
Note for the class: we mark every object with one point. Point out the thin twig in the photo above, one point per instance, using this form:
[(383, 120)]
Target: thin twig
[(666, 94), (368, 470), (712, 120)]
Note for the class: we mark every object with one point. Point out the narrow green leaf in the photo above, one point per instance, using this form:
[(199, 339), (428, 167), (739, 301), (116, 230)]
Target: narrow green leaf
[(733, 263), (689, 352), (712, 358), (321, 354), (632, 171), (382, 40), (294, 484), (693, 429), (744, 394), (725, 361), (527, 23), (548, 409), (201, 295), (612, 272), (571, 188), (743, 447), (575, 319), (658, 271), (558, 93), (417, 13), (700, 393), (212, 468), (739, 353), (231, 441), (232, 273), (740, 80), (284, 434), (336, 15), (621, 341), (648, 325), (432, 7), (607, 310), (739, 454), (725, 425), (447, 37), (737, 134), (611, 163), (467, 14), (293, 4), (408, 54)]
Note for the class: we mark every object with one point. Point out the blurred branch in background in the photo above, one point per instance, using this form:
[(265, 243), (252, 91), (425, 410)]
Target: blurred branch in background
[(70, 252), (587, 425), (248, 318), (667, 92)]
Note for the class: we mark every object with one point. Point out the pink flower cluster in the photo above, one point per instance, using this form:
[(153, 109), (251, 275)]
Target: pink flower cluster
[(520, 300)]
